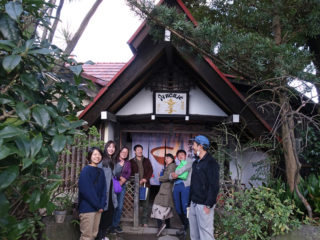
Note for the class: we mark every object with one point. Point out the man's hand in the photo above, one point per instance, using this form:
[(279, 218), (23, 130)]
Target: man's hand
[(142, 181), (174, 175), (100, 210), (206, 210)]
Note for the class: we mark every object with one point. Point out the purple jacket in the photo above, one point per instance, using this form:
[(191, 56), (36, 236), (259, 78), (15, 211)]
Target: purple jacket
[(126, 170)]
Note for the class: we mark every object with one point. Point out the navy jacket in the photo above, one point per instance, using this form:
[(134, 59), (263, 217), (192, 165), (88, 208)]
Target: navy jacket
[(92, 189), (204, 181)]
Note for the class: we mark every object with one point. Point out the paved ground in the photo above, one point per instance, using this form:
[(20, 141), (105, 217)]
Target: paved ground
[(141, 237)]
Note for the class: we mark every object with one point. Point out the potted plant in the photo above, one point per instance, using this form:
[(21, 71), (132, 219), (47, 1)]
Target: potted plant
[(63, 204)]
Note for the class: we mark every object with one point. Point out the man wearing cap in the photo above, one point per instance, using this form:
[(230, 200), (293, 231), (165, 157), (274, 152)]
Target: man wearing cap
[(203, 191)]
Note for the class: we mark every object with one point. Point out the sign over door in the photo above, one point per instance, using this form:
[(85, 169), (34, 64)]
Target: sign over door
[(171, 103)]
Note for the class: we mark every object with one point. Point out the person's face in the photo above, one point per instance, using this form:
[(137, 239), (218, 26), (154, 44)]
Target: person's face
[(124, 153), (111, 149), (195, 148), (96, 157), (138, 152), (181, 156), (168, 160)]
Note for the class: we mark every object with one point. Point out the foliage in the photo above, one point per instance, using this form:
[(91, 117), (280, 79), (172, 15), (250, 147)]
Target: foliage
[(63, 202), (311, 151), (256, 213), (309, 187), (37, 118)]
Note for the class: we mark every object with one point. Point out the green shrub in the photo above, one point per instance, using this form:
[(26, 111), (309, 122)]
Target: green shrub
[(256, 213)]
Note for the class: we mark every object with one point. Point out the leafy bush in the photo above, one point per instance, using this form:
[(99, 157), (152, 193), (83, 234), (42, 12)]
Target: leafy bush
[(37, 119), (256, 213)]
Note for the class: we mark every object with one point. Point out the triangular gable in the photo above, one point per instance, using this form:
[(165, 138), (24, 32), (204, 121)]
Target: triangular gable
[(148, 54)]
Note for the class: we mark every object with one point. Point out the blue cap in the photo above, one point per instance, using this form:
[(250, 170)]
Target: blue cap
[(202, 140)]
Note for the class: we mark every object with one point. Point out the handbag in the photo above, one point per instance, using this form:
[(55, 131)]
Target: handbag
[(116, 185), (143, 192)]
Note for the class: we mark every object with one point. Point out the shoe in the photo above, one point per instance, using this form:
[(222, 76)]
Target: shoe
[(112, 231), (145, 225), (163, 226), (105, 238), (181, 232), (118, 229)]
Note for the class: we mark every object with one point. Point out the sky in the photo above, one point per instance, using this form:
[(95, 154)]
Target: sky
[(105, 38)]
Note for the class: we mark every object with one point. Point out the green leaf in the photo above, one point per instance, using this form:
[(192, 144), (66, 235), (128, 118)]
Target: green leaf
[(10, 62), (44, 51), (11, 131), (76, 69), (23, 143), (35, 200), (4, 205), (36, 144), (41, 116), (23, 111), (8, 176), (26, 162), (29, 44), (58, 143), (6, 45), (62, 104), (14, 121), (9, 28), (4, 152), (77, 124), (41, 160), (6, 100), (30, 81), (14, 9)]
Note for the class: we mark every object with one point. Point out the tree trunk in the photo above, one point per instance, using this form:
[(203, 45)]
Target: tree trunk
[(56, 21), (287, 144), (45, 30), (72, 44)]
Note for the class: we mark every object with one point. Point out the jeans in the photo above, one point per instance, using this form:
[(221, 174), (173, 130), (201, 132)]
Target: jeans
[(118, 211), (201, 224), (181, 198)]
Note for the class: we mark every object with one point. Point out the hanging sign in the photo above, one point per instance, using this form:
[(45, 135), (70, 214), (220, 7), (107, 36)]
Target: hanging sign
[(171, 103)]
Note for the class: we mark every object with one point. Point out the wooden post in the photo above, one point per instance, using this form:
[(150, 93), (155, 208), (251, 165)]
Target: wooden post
[(136, 201)]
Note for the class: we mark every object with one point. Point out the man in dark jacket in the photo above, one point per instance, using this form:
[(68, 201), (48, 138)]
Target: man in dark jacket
[(142, 165), (203, 191)]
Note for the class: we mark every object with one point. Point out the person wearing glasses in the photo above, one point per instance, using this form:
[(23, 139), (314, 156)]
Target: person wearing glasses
[(204, 189)]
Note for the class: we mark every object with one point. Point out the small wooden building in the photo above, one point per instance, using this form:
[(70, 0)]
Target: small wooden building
[(164, 96)]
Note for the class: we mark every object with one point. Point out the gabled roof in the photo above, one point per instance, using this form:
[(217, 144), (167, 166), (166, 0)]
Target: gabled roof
[(101, 73), (132, 76)]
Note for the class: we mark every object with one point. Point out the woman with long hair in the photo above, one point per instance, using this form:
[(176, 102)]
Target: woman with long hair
[(107, 165), (122, 173)]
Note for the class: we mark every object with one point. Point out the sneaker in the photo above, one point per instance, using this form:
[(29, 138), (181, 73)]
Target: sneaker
[(118, 229), (105, 238), (163, 226), (181, 232), (112, 231)]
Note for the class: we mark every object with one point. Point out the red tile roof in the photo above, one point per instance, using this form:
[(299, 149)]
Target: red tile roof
[(101, 73)]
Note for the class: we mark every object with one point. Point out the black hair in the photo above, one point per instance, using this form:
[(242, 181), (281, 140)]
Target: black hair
[(136, 146), (170, 156), (124, 147), (109, 160), (90, 151), (181, 151)]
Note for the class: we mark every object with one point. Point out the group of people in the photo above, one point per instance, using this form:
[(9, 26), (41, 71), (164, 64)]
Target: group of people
[(188, 185)]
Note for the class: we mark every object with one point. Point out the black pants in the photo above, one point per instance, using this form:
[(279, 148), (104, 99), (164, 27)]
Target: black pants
[(106, 218), (167, 221)]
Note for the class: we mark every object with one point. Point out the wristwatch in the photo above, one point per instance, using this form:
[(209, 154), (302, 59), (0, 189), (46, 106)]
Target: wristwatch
[(208, 207)]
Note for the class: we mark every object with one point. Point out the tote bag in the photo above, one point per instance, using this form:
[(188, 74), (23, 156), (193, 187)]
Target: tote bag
[(143, 192)]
